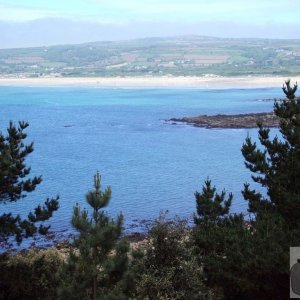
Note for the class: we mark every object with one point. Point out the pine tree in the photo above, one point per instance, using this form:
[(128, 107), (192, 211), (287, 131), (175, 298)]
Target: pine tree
[(249, 259), (15, 184), (212, 208), (97, 266), (210, 205), (277, 165), (210, 233)]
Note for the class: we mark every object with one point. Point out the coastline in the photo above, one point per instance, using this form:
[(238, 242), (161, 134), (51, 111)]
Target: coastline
[(205, 82)]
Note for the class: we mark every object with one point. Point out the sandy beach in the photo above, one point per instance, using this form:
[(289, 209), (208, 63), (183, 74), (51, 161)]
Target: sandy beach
[(205, 82)]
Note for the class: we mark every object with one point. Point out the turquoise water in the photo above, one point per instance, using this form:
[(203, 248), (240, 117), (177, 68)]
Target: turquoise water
[(150, 165)]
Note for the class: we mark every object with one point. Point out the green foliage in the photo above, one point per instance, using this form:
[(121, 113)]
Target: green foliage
[(95, 269), (277, 165), (15, 184), (211, 205), (212, 212), (244, 260), (168, 270), (13, 168), (30, 275), (249, 259)]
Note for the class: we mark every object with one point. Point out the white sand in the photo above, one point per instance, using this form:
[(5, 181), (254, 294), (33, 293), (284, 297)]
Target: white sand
[(151, 82)]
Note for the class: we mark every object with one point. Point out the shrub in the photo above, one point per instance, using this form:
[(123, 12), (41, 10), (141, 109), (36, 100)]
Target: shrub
[(168, 269), (30, 275)]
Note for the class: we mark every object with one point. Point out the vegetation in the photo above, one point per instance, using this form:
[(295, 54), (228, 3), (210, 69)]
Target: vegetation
[(169, 270), (277, 166), (179, 56), (30, 275), (97, 265), (249, 259), (14, 186)]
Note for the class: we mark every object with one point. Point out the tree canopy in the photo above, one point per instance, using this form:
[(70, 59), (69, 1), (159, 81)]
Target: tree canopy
[(248, 258), (15, 184), (97, 266)]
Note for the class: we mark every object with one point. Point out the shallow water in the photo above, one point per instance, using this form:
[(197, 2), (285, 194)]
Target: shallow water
[(150, 165)]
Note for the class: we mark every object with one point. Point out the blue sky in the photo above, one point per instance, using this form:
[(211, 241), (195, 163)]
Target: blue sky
[(124, 19)]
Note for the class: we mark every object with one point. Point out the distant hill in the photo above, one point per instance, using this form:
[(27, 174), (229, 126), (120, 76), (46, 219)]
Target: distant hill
[(177, 56)]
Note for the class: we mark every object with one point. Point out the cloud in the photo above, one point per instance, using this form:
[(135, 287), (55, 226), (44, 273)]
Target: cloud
[(46, 32)]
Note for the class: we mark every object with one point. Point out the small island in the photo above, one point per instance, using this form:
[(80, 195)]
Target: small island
[(268, 119)]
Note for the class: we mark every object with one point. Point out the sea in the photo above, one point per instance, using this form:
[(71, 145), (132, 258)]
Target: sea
[(151, 165)]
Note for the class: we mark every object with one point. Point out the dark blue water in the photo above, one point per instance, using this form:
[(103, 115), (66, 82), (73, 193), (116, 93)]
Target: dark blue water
[(150, 165)]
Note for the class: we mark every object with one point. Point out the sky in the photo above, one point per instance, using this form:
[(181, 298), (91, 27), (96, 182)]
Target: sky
[(25, 23)]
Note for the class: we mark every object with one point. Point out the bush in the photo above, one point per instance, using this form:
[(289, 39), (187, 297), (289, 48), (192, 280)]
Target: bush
[(30, 275), (168, 269)]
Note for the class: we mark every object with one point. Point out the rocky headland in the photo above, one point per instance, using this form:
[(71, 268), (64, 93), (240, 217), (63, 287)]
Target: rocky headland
[(268, 119)]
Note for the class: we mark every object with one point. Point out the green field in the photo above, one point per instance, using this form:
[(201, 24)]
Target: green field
[(186, 56)]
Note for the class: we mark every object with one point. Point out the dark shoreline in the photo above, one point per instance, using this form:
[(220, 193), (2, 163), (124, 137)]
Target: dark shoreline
[(268, 119), (135, 232)]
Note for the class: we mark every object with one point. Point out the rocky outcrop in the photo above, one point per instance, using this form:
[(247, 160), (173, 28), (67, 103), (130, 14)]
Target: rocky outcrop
[(231, 121)]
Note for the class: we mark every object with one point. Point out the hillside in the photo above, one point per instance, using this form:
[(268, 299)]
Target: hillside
[(187, 56)]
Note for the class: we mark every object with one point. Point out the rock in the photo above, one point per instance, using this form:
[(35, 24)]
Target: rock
[(268, 119)]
